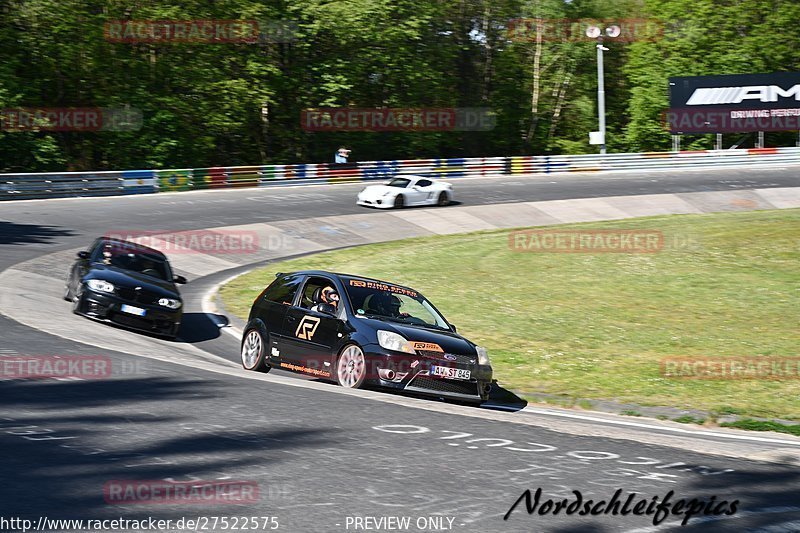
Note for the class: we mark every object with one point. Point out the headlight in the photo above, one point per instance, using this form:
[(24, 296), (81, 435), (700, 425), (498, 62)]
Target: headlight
[(100, 285), (169, 302), (483, 356), (393, 341)]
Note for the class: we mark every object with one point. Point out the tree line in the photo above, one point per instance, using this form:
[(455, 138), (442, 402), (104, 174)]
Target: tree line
[(239, 100)]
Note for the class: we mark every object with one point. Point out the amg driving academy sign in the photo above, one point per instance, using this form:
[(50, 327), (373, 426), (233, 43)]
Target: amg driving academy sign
[(735, 103)]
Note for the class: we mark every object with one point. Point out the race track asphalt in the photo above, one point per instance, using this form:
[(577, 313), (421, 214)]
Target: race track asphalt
[(322, 458)]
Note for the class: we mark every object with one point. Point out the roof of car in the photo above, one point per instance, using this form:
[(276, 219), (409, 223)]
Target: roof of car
[(135, 247), (342, 275)]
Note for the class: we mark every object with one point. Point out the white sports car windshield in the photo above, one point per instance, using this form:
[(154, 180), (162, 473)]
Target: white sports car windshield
[(399, 182)]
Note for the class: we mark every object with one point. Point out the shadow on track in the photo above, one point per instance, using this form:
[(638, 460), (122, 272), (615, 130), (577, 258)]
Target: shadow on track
[(63, 440), (767, 494), (199, 327), (504, 400), (12, 233)]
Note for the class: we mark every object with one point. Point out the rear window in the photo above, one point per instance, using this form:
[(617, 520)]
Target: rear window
[(283, 289)]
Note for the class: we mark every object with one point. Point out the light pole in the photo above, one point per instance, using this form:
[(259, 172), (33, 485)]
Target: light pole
[(594, 32)]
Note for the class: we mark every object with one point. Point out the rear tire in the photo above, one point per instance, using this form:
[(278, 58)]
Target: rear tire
[(68, 293), (254, 351), (443, 199), (399, 202), (351, 367)]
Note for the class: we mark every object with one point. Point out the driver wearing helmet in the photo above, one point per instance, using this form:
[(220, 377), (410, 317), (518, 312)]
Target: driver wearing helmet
[(329, 296), (388, 305)]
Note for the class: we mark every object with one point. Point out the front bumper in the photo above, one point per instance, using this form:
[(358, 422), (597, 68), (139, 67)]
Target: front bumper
[(412, 373), (379, 202), (107, 307)]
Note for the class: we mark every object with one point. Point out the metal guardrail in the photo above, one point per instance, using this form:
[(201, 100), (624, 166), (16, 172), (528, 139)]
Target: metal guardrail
[(76, 184)]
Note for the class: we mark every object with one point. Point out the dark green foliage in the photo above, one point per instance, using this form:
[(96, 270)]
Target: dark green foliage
[(238, 104)]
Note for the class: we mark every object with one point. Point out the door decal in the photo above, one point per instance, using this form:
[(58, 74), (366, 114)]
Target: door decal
[(307, 327)]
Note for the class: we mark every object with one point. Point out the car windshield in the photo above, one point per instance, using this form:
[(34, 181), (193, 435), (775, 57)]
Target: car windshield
[(143, 263), (399, 182), (385, 301)]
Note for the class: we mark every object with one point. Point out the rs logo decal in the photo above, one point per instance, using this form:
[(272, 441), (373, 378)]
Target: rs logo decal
[(427, 346), (307, 327)]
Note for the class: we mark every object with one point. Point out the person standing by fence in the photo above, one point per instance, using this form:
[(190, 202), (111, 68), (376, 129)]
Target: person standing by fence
[(341, 155)]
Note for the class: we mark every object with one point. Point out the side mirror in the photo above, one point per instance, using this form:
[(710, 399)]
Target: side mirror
[(327, 309), (453, 328), (179, 279), (83, 255)]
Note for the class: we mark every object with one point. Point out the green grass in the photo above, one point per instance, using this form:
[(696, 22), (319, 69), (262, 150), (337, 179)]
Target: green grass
[(596, 325), (759, 425), (689, 419)]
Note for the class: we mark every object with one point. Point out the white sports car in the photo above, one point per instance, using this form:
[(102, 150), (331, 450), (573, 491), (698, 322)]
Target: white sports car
[(405, 191)]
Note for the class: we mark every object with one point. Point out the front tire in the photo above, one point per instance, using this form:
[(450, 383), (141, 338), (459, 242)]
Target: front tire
[(399, 202), (351, 367), (77, 304), (254, 351)]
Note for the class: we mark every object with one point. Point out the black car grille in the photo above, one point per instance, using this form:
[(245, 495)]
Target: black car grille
[(445, 385), (136, 322), (140, 296), (463, 359), (132, 321)]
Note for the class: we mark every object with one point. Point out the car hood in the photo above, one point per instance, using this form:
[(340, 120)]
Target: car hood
[(450, 342), (130, 279), (380, 190)]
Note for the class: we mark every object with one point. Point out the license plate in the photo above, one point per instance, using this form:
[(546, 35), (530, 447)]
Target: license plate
[(451, 373), (138, 311)]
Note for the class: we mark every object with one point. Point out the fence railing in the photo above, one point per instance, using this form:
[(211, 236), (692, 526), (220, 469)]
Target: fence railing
[(72, 184)]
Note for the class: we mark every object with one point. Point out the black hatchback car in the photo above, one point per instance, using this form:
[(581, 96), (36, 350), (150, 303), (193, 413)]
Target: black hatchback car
[(127, 284), (360, 331)]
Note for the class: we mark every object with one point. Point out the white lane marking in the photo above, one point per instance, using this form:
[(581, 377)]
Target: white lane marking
[(686, 431), (210, 309)]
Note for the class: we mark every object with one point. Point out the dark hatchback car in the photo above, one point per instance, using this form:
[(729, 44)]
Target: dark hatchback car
[(127, 284), (360, 331)]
